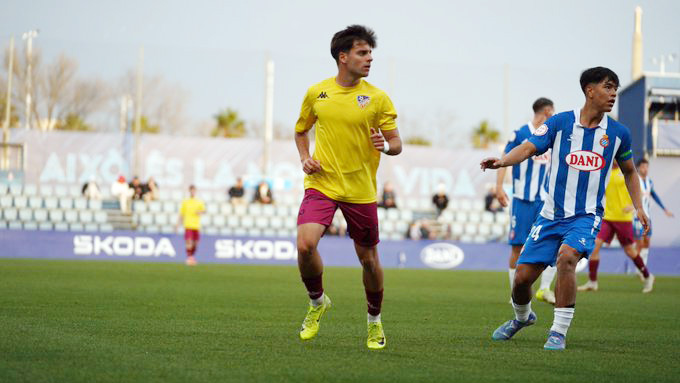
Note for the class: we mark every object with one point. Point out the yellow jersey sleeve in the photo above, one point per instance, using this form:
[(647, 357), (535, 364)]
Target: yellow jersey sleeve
[(307, 117), (387, 115)]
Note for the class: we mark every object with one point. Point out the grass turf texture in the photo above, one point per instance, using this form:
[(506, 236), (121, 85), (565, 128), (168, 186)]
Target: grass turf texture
[(83, 321)]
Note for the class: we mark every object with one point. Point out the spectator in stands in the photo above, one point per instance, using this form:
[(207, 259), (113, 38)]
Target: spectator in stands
[(121, 190), (137, 188), (491, 202), (150, 190), (263, 194), (389, 199), (440, 199), (237, 193), (91, 190)]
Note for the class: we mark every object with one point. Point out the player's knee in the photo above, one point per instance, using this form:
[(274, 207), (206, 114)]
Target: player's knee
[(305, 247), (369, 263), (567, 262)]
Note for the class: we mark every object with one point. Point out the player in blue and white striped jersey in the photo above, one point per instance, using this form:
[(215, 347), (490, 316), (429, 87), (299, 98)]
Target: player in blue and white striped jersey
[(527, 178), (584, 143), (647, 187)]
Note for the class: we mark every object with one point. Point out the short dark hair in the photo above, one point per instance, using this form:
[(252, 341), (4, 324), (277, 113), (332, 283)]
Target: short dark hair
[(343, 41), (541, 103), (642, 161), (596, 75), (192, 187)]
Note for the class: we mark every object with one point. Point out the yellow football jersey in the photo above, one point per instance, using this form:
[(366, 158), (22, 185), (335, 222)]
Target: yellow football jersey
[(189, 212), (617, 198), (343, 118)]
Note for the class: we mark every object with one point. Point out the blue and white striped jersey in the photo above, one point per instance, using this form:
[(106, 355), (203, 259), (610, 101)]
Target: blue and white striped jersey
[(580, 162), (527, 176), (647, 188)]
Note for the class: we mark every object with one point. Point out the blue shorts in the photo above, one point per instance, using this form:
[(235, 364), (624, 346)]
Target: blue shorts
[(524, 213), (639, 230), (547, 236)]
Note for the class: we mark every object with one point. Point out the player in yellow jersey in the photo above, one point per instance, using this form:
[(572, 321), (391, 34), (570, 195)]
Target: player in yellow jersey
[(190, 216), (355, 122), (618, 219)]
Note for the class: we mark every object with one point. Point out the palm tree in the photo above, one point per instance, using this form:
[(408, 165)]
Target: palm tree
[(228, 124), (484, 135)]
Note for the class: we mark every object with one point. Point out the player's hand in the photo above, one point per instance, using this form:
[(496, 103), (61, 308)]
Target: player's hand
[(644, 220), (490, 163), (378, 140), (669, 214), (501, 196), (311, 166)]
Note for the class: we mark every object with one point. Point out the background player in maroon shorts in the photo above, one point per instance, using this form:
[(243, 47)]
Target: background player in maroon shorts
[(190, 215), (355, 122)]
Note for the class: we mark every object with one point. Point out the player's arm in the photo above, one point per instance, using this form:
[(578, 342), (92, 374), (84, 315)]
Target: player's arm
[(658, 202), (302, 127), (500, 192), (387, 141), (633, 186), (514, 157)]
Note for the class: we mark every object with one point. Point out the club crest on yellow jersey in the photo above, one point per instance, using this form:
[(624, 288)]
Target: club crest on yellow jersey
[(363, 101)]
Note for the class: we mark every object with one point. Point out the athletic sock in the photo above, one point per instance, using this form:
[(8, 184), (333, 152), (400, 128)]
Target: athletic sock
[(522, 311), (592, 269), (317, 301), (314, 287), (373, 318), (547, 277), (641, 266), (563, 317), (644, 254), (374, 301), (511, 274)]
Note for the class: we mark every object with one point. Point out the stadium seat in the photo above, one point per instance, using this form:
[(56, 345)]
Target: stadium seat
[(387, 226), (406, 215), (206, 219), (65, 203), (401, 227), (91, 227), (254, 232), (71, 216), (25, 215), (161, 219), (268, 210), (269, 233), (10, 214), (60, 191), (40, 215), (412, 204), (153, 229), (45, 226), (6, 201), (14, 225), (479, 239), (487, 217), (240, 232), (219, 221), (207, 196), (392, 214), (20, 201), (30, 190), (470, 229), (3, 224), (261, 222), (139, 206), (484, 229), (233, 221), (170, 207), (466, 238), (46, 191), (30, 225), (240, 210), (290, 223), (287, 199), (226, 209), (86, 216), (382, 213), (457, 229), (155, 206), (101, 216), (212, 208), (56, 215), (446, 216), (177, 195), (106, 228), (474, 217), (94, 204), (76, 226), (15, 189), (276, 222), (4, 189), (282, 210), (145, 219), (461, 217), (35, 202), (247, 222), (478, 205), (396, 236), (425, 204), (211, 230), (454, 204), (255, 209), (220, 197), (225, 231), (164, 195), (293, 210), (502, 217), (465, 205), (61, 226), (51, 202), (497, 230), (168, 229), (282, 233), (75, 191), (80, 203)]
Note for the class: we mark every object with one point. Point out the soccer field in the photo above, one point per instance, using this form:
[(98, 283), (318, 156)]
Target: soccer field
[(84, 321)]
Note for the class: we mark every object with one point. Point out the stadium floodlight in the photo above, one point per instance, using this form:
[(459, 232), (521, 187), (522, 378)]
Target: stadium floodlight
[(29, 36), (661, 61)]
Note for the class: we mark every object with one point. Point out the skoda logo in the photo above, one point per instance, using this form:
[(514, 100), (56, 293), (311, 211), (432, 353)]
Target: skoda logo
[(442, 255)]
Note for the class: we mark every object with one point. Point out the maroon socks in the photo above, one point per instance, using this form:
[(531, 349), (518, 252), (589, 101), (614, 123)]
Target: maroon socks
[(641, 266), (374, 300), (592, 269), (314, 286)]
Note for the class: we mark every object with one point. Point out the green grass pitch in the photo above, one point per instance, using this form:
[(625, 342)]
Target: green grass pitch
[(85, 321)]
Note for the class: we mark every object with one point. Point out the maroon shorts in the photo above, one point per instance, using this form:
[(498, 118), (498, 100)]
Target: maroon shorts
[(362, 218), (623, 231), (191, 234)]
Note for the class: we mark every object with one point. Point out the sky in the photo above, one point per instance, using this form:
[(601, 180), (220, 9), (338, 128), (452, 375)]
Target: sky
[(443, 63)]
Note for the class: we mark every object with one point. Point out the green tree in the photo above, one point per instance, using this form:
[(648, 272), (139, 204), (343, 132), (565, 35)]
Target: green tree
[(13, 117), (417, 140), (147, 127), (228, 124), (483, 135), (73, 122)]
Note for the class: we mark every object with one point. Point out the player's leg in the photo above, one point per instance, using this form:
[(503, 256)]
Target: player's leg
[(544, 293), (605, 235), (565, 297), (520, 224), (624, 233), (316, 213), (362, 224), (190, 246), (512, 264)]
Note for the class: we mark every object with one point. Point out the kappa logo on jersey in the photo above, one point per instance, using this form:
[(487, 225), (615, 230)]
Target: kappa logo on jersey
[(541, 130), (322, 95), (363, 101), (604, 141), (585, 160)]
